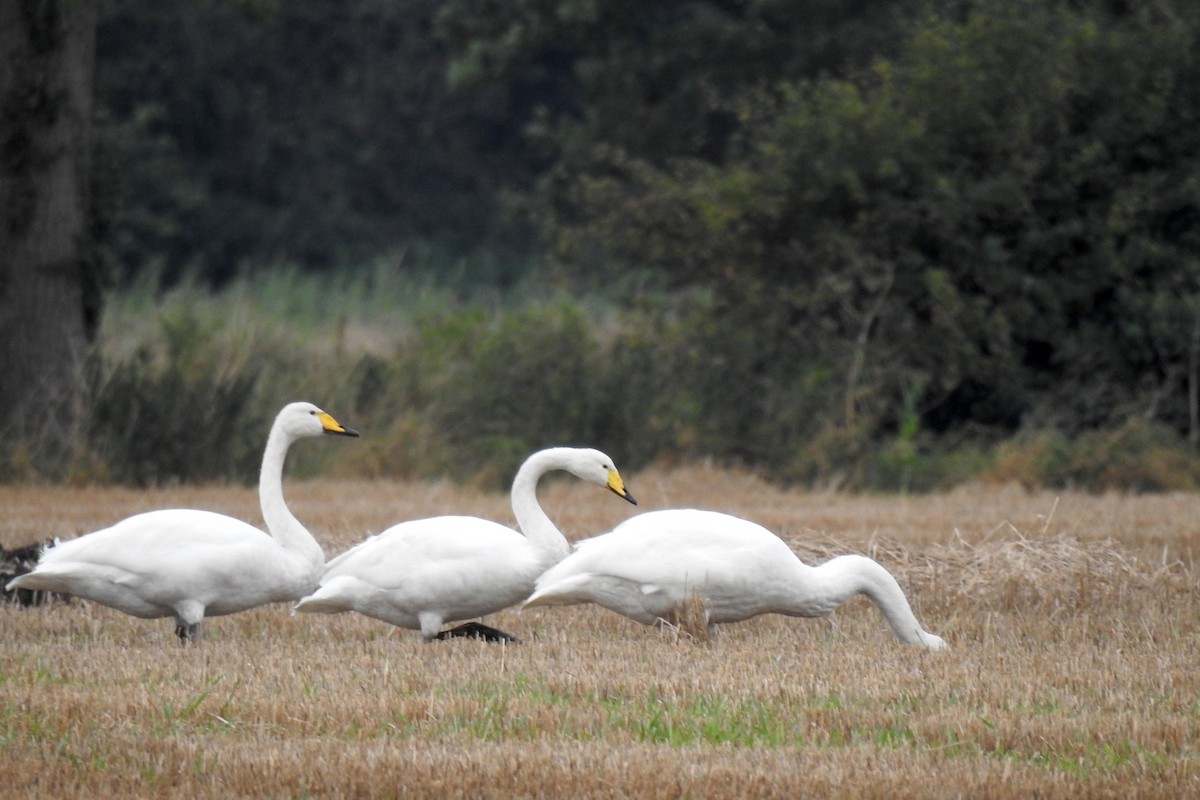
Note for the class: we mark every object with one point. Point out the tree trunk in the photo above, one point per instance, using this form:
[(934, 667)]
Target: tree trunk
[(859, 357), (47, 68), (1194, 376)]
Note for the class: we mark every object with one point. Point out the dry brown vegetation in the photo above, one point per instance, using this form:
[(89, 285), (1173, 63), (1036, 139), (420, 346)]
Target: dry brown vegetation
[(1072, 621)]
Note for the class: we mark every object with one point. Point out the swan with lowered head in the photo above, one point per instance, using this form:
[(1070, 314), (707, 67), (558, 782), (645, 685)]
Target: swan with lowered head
[(189, 564), (424, 573), (649, 565)]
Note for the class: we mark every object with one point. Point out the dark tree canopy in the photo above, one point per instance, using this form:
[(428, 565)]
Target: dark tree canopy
[(987, 218), (318, 133)]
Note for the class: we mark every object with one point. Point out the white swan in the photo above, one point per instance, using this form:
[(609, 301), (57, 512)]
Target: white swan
[(190, 564), (650, 564), (421, 574)]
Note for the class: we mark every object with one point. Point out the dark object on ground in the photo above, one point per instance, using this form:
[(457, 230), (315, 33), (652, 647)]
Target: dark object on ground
[(476, 630), (16, 562)]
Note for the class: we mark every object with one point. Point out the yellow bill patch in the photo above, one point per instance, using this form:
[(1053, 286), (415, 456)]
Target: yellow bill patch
[(615, 483), (330, 424)]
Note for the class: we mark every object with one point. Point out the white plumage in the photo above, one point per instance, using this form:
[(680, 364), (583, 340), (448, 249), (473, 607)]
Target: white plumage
[(649, 565), (189, 564), (424, 573)]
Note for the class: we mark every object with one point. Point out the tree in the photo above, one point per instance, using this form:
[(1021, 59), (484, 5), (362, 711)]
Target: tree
[(992, 230), (657, 80), (320, 133), (47, 258)]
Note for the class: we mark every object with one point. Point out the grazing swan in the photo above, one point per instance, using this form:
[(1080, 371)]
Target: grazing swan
[(187, 564), (421, 574), (650, 564)]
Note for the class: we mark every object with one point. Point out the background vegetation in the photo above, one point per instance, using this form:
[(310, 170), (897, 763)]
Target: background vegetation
[(442, 384), (884, 244)]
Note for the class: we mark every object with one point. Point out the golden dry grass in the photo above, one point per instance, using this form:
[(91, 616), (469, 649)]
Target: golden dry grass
[(1072, 619)]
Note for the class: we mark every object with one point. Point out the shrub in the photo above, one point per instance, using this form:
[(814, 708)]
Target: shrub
[(180, 416), (499, 387), (185, 386), (1138, 456)]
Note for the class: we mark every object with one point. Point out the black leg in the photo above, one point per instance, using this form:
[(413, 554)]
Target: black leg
[(477, 630), (186, 632)]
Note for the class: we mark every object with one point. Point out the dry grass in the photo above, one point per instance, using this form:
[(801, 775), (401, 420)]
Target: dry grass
[(1072, 620)]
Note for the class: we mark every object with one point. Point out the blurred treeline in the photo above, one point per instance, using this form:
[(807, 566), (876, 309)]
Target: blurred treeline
[(875, 244)]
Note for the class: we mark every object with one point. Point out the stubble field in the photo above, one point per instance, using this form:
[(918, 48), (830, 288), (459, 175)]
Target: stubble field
[(1072, 621)]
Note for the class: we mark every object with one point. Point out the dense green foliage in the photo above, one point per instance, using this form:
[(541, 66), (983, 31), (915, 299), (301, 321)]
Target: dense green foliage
[(887, 243)]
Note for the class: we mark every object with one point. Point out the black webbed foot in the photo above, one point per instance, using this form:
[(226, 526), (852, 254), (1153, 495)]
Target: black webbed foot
[(477, 630), (186, 633)]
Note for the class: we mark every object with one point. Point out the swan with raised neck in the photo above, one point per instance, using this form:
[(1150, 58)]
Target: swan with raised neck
[(189, 564), (424, 573)]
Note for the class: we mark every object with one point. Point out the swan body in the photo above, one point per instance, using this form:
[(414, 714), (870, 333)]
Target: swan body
[(421, 574), (649, 565), (188, 564)]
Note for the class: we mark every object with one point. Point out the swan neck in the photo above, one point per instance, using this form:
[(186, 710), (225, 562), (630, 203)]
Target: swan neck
[(845, 576), (538, 528), (281, 523)]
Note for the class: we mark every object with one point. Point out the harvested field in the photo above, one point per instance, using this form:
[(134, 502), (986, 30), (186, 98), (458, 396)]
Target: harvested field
[(1072, 620)]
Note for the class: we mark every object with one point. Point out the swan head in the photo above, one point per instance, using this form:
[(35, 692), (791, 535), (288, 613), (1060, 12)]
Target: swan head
[(298, 420), (596, 467)]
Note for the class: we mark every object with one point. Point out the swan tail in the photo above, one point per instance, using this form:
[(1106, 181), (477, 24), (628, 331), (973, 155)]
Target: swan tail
[(334, 597), (68, 578), (565, 592), (28, 581)]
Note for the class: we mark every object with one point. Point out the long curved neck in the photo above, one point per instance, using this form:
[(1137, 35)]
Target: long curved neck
[(281, 523), (545, 537), (845, 576)]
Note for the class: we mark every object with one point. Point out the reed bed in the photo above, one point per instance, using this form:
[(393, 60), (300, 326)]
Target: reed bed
[(1072, 620)]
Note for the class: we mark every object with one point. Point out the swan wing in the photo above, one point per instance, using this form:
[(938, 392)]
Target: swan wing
[(651, 563), (663, 548), (462, 566), (427, 546), (154, 535)]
